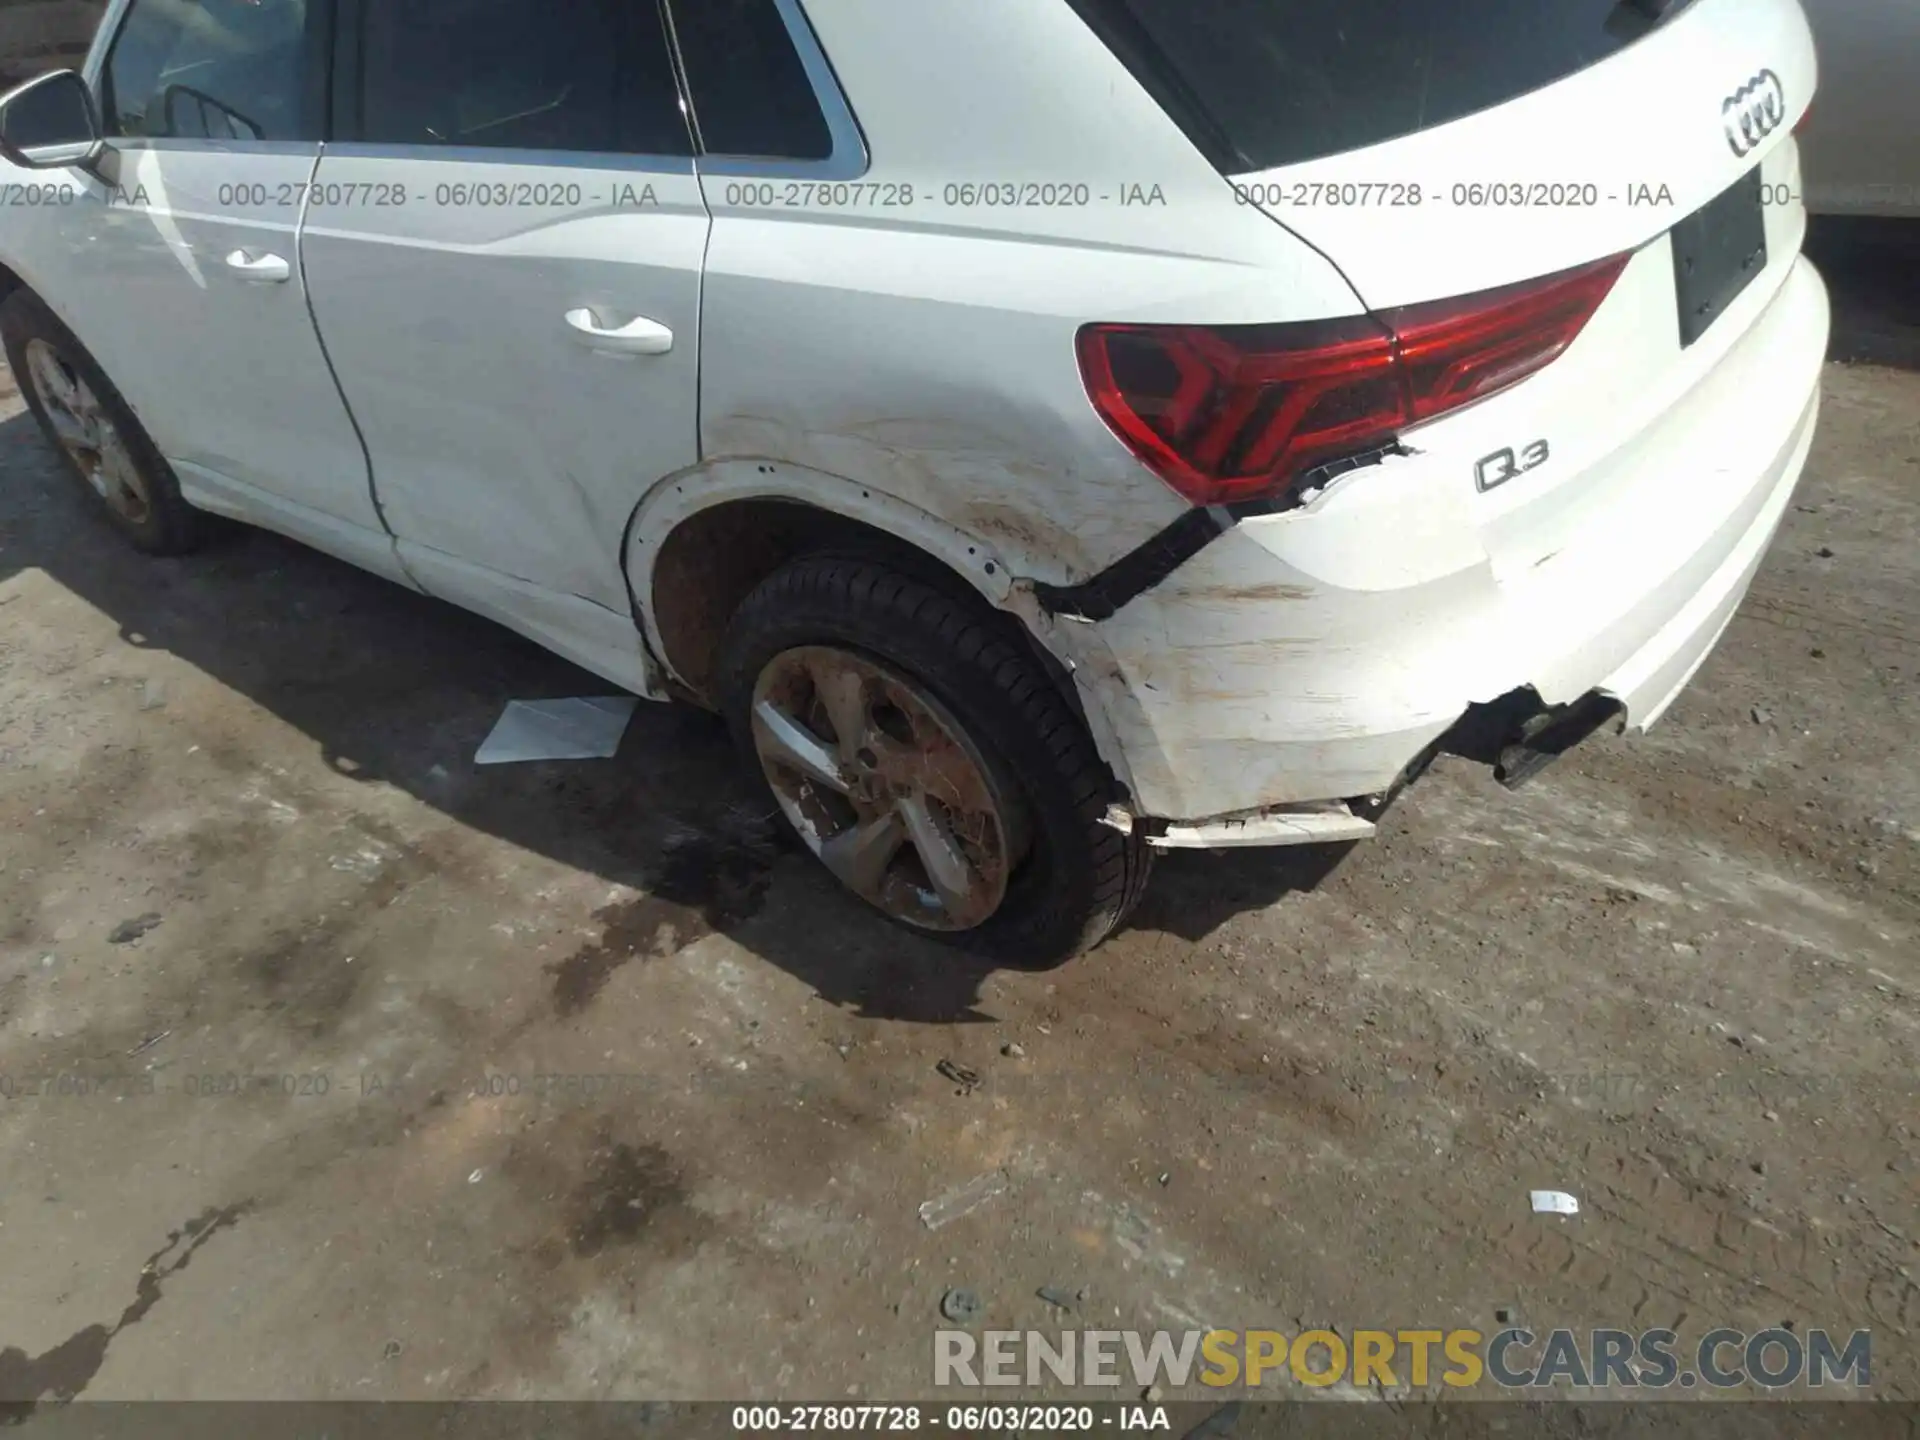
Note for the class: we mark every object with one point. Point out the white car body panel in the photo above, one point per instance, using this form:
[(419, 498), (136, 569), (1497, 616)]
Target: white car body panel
[(502, 443), (955, 401), (361, 545), (595, 637), (912, 366), (1647, 580)]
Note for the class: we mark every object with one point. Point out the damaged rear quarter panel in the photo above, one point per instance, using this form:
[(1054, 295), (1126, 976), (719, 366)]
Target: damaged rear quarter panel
[(1026, 490), (1310, 655), (926, 352), (935, 362), (970, 413)]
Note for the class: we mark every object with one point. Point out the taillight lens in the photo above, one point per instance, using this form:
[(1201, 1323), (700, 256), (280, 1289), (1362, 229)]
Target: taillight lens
[(1241, 412)]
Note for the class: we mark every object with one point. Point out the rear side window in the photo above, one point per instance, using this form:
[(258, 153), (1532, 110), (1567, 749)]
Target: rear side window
[(1263, 83), (751, 95), (211, 70), (577, 75)]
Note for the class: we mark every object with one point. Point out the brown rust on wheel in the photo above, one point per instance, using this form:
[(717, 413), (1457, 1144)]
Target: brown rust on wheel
[(884, 785), (87, 432)]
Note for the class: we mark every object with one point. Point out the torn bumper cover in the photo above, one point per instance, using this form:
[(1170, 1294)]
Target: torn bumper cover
[(1517, 737), (1287, 825), (1271, 683), (1146, 566)]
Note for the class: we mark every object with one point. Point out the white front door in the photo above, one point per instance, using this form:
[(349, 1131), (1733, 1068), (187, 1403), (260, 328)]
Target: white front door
[(504, 252)]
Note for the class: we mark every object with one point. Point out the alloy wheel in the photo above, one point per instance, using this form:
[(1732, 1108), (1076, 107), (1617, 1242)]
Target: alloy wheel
[(87, 433), (884, 785)]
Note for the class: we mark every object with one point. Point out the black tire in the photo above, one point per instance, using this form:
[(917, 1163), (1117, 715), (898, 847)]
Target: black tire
[(170, 526), (1081, 876)]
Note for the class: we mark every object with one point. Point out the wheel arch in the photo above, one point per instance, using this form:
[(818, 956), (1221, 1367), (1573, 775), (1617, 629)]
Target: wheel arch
[(702, 540)]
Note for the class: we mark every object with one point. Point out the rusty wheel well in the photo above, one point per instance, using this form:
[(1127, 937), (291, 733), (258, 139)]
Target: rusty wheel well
[(713, 560)]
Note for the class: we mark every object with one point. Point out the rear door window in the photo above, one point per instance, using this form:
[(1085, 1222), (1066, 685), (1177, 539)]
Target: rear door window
[(1263, 83), (751, 96), (578, 75)]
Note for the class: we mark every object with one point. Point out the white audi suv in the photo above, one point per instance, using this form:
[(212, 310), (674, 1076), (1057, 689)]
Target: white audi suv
[(1051, 431)]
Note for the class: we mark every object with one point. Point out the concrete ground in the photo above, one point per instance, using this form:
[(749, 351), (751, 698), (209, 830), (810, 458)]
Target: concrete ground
[(337, 1067)]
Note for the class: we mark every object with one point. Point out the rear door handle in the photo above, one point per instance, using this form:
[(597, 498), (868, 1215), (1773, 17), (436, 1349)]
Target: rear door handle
[(263, 269), (637, 337)]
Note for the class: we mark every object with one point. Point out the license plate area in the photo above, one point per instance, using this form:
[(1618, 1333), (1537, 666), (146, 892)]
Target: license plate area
[(1718, 251)]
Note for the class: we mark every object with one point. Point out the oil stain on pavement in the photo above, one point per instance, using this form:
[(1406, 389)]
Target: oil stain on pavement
[(69, 1367), (705, 883)]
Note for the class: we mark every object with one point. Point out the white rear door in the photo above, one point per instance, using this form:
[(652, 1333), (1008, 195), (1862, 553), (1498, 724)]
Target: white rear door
[(504, 249)]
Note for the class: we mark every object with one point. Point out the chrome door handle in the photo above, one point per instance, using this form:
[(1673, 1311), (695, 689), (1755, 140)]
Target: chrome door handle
[(637, 337), (262, 269)]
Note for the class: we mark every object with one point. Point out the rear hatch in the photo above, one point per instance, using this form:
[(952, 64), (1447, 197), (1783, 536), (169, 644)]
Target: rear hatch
[(1564, 215), (1433, 150)]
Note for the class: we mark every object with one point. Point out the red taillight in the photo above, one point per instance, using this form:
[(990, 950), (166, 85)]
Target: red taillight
[(1241, 411), (1459, 351)]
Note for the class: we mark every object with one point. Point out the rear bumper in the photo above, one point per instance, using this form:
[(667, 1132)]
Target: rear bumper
[(1652, 678), (1314, 655)]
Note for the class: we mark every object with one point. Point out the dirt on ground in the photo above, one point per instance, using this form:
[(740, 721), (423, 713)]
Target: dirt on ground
[(332, 1065)]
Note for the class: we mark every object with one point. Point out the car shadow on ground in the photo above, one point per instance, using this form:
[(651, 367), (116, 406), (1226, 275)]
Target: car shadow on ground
[(400, 689), (396, 688)]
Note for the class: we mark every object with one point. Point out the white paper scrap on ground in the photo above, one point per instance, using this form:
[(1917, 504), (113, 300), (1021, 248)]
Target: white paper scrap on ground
[(584, 729), (1554, 1202), (964, 1201)]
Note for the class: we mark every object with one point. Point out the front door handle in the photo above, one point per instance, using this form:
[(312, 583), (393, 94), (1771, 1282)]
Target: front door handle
[(262, 269), (637, 337)]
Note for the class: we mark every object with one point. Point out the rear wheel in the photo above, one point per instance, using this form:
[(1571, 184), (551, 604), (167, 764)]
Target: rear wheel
[(100, 440), (926, 760)]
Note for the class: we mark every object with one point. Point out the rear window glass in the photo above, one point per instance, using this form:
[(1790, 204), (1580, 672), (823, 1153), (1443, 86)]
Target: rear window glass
[(1261, 83), (750, 91)]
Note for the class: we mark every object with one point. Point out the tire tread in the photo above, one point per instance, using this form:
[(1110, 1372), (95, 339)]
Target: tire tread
[(985, 673)]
